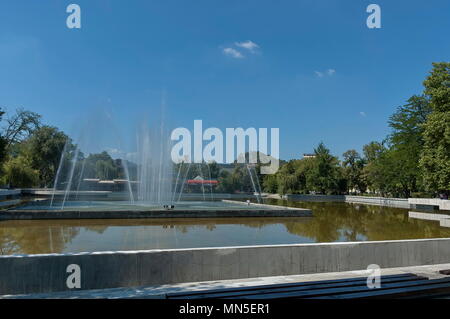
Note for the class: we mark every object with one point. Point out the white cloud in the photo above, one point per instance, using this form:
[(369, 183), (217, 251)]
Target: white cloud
[(319, 74), (111, 150), (248, 45), (363, 114), (233, 53)]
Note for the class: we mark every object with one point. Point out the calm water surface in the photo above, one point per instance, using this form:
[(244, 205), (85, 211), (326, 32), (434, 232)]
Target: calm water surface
[(331, 222)]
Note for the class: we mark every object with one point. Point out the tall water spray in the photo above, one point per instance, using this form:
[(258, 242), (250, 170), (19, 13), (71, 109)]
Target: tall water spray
[(96, 134), (143, 174), (155, 167), (151, 181)]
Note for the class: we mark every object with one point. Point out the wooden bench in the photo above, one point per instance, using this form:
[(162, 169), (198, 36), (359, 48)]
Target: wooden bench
[(392, 286)]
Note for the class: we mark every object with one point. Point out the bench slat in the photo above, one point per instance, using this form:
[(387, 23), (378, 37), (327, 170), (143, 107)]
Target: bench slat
[(240, 291), (432, 290), (342, 290)]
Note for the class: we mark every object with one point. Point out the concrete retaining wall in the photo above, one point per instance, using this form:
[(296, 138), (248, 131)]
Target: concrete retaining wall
[(380, 201), (442, 204), (47, 273), (422, 203), (427, 216), (264, 211), (315, 198)]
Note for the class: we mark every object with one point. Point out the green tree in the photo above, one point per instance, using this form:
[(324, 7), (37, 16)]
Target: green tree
[(408, 121), (372, 151), (270, 183), (20, 126), (3, 144), (226, 183), (214, 169), (292, 177), (373, 172), (435, 158), (384, 172), (100, 166), (353, 166), (325, 176), (18, 172), (105, 170), (238, 180), (406, 144), (395, 178), (241, 179), (2, 153), (286, 178), (45, 147)]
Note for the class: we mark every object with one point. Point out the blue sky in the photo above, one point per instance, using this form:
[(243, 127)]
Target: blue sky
[(128, 53)]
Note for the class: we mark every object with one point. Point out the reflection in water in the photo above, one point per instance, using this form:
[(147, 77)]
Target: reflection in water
[(353, 222), (331, 222)]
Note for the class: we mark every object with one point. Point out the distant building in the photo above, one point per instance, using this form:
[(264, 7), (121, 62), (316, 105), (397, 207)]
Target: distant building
[(115, 185), (308, 155)]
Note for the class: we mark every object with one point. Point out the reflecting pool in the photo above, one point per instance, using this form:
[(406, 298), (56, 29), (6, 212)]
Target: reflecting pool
[(331, 222)]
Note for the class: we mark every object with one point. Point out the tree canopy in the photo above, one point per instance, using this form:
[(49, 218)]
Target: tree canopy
[(435, 158)]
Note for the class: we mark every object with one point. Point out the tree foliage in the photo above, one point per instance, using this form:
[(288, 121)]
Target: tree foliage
[(20, 126), (325, 176), (435, 158), (44, 147), (18, 172), (353, 166), (3, 144), (239, 180), (321, 174)]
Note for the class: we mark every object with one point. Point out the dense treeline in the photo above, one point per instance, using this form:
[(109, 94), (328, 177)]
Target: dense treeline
[(30, 154), (414, 160)]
